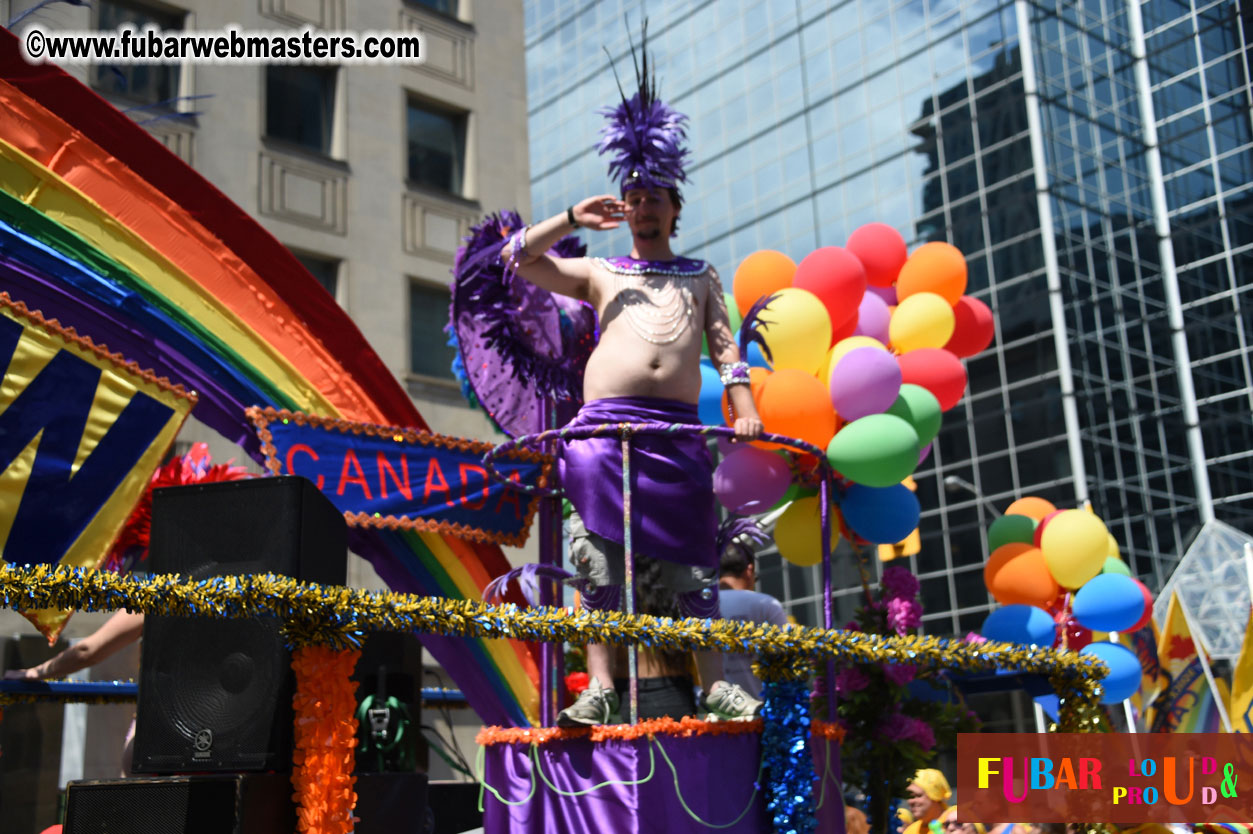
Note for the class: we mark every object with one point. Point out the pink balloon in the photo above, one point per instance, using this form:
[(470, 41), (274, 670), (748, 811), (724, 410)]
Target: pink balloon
[(751, 480), (873, 318), (888, 294), (881, 249), (866, 381)]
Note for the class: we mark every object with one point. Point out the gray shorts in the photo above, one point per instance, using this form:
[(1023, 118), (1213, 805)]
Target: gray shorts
[(601, 566)]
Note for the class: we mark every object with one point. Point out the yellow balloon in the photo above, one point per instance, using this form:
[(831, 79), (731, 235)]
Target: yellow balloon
[(1075, 545), (924, 320), (1112, 547), (799, 330), (798, 532), (842, 347)]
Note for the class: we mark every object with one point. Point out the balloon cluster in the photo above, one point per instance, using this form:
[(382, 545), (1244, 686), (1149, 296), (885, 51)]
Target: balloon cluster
[(1060, 578), (857, 350)]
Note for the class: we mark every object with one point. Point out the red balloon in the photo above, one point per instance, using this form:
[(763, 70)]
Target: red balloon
[(881, 250), (843, 330), (937, 370), (974, 329), (1039, 530), (1148, 607), (1076, 636), (837, 278)]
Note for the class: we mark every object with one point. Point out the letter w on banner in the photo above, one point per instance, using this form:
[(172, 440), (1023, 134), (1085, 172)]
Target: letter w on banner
[(381, 476), (81, 432)]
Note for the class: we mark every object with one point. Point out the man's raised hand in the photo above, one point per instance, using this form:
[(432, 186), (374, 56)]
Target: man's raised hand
[(601, 212), (747, 428)]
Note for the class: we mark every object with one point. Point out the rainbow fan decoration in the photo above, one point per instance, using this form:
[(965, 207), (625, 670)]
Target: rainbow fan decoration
[(105, 230)]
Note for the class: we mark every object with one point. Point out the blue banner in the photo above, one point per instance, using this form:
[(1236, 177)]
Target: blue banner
[(380, 476)]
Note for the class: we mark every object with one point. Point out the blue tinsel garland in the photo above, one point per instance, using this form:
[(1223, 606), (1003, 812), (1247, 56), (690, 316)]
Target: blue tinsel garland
[(789, 763)]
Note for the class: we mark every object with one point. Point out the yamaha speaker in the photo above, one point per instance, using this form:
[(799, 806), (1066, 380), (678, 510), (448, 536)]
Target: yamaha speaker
[(215, 694), (254, 803)]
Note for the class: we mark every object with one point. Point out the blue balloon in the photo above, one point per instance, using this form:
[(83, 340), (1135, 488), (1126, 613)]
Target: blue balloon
[(883, 515), (1124, 671), (756, 358), (1109, 602), (710, 404), (1023, 624)]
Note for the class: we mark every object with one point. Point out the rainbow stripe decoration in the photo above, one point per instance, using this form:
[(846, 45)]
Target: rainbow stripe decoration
[(105, 230)]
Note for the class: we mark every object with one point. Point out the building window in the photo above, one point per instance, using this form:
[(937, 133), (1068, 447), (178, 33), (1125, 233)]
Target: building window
[(429, 352), (448, 7), (437, 141), (142, 83), (326, 270), (300, 106)]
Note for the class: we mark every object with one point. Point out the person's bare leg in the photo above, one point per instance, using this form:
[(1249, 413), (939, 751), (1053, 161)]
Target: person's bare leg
[(600, 664), (709, 667)]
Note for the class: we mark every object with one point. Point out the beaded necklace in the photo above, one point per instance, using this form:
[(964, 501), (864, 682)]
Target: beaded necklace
[(666, 314)]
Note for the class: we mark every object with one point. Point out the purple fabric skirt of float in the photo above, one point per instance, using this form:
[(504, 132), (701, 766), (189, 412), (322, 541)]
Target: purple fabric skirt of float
[(628, 786), (672, 500)]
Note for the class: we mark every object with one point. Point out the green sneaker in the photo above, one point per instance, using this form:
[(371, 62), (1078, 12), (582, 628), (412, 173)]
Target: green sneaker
[(595, 705), (729, 702)]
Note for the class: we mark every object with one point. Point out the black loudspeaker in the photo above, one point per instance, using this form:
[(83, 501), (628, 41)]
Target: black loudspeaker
[(454, 806), (390, 671), (254, 803), (391, 803), (216, 694)]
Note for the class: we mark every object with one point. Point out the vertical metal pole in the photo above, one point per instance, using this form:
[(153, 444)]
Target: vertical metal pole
[(628, 557), (549, 554), (828, 614)]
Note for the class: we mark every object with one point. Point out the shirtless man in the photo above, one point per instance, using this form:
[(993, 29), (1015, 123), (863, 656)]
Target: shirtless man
[(653, 309)]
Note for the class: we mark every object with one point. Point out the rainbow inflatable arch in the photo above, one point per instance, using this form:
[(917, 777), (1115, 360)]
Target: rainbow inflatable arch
[(107, 231)]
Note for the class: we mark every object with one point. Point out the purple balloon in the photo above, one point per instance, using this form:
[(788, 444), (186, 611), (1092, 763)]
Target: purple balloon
[(873, 317), (926, 452), (751, 480), (865, 381), (887, 294)]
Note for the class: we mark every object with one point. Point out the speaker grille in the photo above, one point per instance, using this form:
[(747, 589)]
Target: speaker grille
[(215, 695)]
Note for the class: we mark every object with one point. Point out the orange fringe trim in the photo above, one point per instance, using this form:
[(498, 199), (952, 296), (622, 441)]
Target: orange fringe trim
[(70, 336), (827, 730), (325, 704), (685, 727), (262, 417)]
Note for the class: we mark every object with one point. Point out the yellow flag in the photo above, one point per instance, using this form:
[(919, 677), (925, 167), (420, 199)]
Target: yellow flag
[(1242, 685)]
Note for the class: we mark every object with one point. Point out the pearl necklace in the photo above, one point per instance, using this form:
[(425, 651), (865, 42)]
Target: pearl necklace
[(665, 311)]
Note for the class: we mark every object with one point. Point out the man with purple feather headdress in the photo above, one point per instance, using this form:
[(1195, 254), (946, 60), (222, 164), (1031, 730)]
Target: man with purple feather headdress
[(653, 308)]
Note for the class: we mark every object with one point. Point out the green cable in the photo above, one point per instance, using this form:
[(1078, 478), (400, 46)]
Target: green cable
[(826, 771), (652, 769), (678, 793)]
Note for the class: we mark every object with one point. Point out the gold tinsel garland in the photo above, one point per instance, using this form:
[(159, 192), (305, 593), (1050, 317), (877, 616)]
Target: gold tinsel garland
[(337, 617)]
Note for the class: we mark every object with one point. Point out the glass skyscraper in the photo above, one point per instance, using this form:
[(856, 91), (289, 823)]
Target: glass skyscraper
[(1092, 159)]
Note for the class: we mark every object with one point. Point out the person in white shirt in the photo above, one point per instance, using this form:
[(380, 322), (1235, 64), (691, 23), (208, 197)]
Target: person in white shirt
[(738, 600)]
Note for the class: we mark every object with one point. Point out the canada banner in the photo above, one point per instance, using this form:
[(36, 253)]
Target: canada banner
[(387, 477)]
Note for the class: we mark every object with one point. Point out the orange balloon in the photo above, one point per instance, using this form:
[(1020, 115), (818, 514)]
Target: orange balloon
[(760, 274), (1031, 507), (1016, 574), (933, 267), (795, 404)]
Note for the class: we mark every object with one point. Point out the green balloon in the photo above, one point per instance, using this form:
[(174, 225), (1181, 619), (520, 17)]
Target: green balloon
[(879, 451), (794, 492), (1115, 565), (1011, 528), (918, 407)]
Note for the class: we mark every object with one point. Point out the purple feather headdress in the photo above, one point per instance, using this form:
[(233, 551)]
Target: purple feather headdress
[(750, 328), (736, 526), (644, 135)]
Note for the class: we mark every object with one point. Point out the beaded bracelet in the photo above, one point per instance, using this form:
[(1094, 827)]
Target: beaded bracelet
[(735, 373), (517, 248)]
